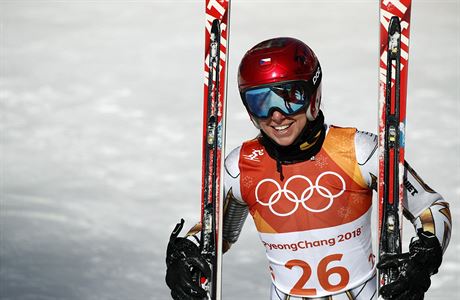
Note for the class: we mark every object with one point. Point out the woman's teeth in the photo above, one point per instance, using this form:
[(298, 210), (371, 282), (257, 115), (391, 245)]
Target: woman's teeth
[(283, 127)]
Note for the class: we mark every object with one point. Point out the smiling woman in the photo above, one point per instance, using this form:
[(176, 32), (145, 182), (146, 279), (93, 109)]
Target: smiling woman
[(302, 179), (100, 132)]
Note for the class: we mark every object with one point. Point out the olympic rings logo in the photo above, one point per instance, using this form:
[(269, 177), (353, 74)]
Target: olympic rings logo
[(306, 195)]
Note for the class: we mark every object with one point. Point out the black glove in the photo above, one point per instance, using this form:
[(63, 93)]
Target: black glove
[(184, 262), (415, 268)]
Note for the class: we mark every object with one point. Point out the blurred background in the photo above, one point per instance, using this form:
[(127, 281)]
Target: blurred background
[(100, 119)]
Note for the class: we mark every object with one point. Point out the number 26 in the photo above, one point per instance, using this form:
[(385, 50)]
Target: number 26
[(323, 275)]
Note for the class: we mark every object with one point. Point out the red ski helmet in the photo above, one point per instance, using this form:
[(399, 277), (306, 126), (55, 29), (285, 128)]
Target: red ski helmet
[(280, 74)]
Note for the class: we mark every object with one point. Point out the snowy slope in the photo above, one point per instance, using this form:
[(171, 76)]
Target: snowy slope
[(101, 123)]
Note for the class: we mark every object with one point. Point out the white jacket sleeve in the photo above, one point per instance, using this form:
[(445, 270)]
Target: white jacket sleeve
[(423, 206), (235, 209)]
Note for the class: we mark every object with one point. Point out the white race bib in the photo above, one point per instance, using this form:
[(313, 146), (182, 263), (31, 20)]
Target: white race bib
[(321, 262)]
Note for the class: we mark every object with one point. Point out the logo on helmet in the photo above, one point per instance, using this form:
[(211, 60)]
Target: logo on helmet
[(315, 78), (265, 61)]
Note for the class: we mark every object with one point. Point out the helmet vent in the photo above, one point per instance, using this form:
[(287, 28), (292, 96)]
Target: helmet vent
[(272, 43), (301, 55)]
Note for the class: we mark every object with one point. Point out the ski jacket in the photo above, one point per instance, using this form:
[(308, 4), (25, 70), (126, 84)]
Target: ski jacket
[(316, 221)]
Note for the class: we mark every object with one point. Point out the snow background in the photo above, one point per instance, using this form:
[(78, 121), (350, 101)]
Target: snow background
[(101, 131)]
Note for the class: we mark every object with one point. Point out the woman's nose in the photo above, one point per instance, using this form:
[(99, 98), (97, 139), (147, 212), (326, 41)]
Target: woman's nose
[(277, 116)]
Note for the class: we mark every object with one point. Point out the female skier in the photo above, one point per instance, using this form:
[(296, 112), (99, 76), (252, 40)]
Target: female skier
[(308, 187)]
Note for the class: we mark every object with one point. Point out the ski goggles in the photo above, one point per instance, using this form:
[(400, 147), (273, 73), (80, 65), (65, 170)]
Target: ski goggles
[(287, 97)]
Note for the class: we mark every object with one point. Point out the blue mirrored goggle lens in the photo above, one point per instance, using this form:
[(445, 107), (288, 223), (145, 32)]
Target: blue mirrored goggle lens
[(288, 98)]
